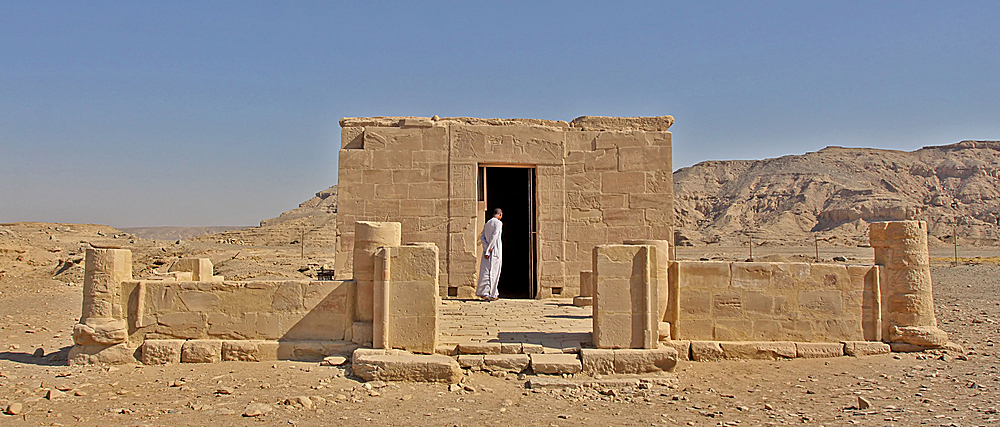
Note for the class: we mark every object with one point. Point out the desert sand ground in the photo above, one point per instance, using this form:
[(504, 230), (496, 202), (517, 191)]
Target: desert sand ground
[(41, 276)]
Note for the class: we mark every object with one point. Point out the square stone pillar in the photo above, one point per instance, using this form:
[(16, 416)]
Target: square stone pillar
[(406, 298), (586, 296), (101, 335), (625, 297)]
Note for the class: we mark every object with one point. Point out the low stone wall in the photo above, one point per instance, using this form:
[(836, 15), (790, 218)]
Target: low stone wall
[(757, 301), (258, 310)]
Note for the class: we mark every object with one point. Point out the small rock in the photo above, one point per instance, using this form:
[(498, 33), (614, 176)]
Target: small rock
[(299, 401), (39, 352), (224, 391), (333, 361), (54, 394), (177, 383), (468, 388), (454, 387), (79, 393), (377, 384), (257, 410), (14, 409), (768, 407), (863, 403)]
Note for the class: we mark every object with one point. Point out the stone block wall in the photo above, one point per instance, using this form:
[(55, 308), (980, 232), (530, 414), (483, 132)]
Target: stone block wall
[(758, 301), (258, 310), (406, 298), (625, 297), (598, 180)]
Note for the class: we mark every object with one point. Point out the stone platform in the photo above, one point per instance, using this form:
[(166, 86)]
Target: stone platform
[(553, 323)]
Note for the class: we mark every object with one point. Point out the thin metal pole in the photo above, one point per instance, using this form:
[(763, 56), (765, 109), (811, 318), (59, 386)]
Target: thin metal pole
[(954, 236), (816, 241)]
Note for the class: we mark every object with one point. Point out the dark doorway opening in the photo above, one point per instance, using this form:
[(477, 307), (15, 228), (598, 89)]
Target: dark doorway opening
[(513, 190)]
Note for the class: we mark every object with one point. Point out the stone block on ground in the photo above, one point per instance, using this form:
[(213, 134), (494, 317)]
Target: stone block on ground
[(249, 350), (758, 350), (583, 301), (555, 364), (313, 351), (683, 348), (639, 361), (118, 354), (528, 348), (407, 367), (161, 352), (865, 348), (706, 351), (551, 383), (506, 362), (480, 348), (471, 361), (819, 349), (100, 331), (447, 349), (201, 351), (597, 361)]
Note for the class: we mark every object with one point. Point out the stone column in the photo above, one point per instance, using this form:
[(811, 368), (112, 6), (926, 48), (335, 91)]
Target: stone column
[(368, 237), (102, 320), (905, 282), (101, 335)]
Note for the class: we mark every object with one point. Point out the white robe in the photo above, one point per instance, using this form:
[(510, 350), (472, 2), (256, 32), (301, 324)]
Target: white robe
[(489, 268)]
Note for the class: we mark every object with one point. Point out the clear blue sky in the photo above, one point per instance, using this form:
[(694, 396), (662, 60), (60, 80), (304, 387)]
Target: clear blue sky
[(225, 113)]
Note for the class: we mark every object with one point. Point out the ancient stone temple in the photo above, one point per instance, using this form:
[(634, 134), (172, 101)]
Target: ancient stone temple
[(564, 187)]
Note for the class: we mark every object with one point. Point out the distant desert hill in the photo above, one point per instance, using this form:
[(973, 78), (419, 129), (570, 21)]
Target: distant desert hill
[(314, 222), (835, 192), (177, 233)]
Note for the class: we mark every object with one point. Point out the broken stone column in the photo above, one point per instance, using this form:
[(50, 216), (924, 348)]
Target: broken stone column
[(102, 320), (368, 237), (406, 298), (905, 282), (586, 297), (625, 297)]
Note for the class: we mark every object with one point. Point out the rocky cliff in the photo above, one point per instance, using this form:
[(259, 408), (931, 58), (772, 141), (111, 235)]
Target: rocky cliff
[(834, 193)]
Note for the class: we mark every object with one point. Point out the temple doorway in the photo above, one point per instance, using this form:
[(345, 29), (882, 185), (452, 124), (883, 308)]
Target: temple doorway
[(512, 189)]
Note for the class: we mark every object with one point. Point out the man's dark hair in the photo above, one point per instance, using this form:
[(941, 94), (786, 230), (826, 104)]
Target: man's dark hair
[(497, 211)]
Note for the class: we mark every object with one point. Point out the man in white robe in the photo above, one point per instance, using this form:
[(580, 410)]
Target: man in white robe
[(489, 266)]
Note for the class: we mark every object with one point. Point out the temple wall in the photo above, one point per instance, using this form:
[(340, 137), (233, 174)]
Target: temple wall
[(258, 310), (598, 180), (759, 301)]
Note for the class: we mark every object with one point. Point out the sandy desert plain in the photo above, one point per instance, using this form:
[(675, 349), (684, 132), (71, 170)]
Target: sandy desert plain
[(41, 278)]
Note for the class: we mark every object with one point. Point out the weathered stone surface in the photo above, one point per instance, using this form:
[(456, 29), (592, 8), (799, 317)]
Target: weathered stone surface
[(506, 362), (407, 367), (555, 364), (551, 383), (314, 351), (639, 361), (249, 350), (706, 351), (659, 123), (362, 333), (159, 352), (683, 348), (480, 348), (818, 349), (118, 354), (925, 336), (201, 351), (758, 350), (102, 331), (473, 361), (598, 361), (865, 348), (905, 283)]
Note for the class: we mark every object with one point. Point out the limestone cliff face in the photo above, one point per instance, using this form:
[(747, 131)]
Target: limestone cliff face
[(835, 192)]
